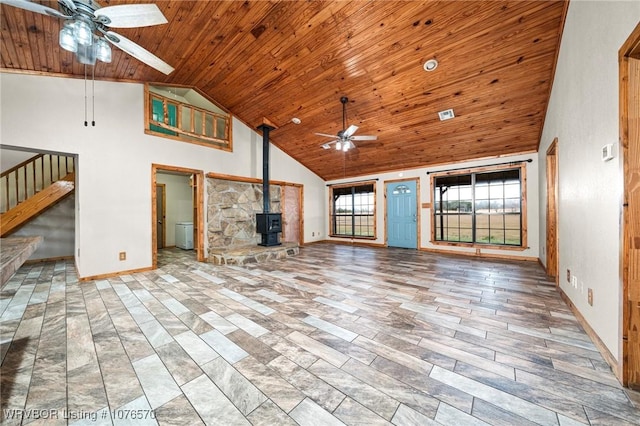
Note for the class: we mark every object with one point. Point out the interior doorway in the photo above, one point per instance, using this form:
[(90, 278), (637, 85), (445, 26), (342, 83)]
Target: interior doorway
[(184, 213), (552, 211), (629, 62)]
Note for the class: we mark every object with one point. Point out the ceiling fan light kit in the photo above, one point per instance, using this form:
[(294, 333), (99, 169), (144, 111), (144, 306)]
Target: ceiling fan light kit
[(345, 137), (78, 37)]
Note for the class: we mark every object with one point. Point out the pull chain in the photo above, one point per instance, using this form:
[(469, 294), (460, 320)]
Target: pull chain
[(93, 96)]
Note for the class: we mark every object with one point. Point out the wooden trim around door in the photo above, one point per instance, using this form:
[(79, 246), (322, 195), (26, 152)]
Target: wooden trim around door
[(628, 368), (164, 212), (552, 211), (300, 189), (198, 205)]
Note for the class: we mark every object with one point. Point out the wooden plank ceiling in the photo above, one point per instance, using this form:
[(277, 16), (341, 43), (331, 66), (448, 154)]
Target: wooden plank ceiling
[(285, 59)]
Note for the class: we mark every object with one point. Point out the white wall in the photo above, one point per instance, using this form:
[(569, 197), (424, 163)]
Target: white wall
[(179, 203), (583, 114), (425, 196), (113, 193), (10, 158)]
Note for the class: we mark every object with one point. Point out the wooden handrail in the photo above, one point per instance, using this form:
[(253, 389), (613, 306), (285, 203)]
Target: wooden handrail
[(36, 204), (164, 120), (24, 163), (32, 176)]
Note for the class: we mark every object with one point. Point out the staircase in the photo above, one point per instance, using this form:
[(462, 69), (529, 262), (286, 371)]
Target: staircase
[(33, 186)]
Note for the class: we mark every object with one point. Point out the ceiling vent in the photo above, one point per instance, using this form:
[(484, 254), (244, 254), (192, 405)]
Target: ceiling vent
[(446, 115)]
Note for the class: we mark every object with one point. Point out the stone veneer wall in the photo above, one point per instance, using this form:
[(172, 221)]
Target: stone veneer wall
[(231, 212)]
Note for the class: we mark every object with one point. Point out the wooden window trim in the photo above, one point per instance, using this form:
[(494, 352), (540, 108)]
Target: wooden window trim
[(215, 143), (375, 209), (523, 209)]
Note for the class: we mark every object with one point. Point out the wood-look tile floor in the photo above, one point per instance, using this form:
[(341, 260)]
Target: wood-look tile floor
[(335, 335)]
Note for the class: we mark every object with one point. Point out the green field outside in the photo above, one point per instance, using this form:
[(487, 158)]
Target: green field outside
[(490, 229), (364, 226)]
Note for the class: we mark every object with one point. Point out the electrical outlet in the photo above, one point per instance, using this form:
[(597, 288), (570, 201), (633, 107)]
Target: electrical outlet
[(122, 255), (313, 234), (568, 275), (574, 281), (590, 296)]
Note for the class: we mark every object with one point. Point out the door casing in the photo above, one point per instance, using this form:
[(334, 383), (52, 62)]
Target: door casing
[(552, 211), (198, 224), (161, 213), (629, 83), (289, 233)]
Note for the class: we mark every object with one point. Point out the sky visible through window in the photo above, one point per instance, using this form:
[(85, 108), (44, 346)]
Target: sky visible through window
[(362, 204)]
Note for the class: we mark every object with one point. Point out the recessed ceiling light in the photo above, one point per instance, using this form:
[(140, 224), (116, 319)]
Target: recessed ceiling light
[(430, 65), (296, 120)]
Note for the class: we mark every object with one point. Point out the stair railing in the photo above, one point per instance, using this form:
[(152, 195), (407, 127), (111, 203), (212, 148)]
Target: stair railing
[(32, 176), (189, 121)]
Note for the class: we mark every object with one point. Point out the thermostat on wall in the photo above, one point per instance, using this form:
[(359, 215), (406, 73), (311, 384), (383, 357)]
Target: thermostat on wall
[(607, 152)]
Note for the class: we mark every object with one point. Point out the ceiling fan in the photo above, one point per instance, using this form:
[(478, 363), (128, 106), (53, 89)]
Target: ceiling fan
[(88, 25), (345, 137)]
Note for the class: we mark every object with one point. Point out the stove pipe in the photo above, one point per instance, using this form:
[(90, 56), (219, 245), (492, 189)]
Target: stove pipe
[(267, 224), (266, 202)]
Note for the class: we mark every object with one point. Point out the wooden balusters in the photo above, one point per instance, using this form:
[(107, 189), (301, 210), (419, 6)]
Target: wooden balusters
[(31, 176), (190, 121)]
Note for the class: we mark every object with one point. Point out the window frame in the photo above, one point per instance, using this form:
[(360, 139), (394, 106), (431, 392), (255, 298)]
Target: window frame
[(210, 142), (521, 166), (333, 216)]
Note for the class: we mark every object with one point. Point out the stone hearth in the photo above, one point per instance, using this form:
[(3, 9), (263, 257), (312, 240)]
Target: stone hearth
[(243, 255)]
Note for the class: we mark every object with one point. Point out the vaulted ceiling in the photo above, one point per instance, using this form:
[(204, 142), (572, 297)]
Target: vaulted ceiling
[(285, 59)]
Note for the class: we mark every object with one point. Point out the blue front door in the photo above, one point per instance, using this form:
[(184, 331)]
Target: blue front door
[(402, 214)]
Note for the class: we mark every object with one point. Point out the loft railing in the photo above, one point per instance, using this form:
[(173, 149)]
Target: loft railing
[(187, 122), (31, 176)]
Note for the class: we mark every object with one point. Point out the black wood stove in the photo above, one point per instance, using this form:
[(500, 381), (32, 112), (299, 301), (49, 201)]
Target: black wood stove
[(268, 224)]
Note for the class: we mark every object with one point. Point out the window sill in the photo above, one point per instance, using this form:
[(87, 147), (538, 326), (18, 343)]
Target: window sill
[(354, 237), (479, 246)]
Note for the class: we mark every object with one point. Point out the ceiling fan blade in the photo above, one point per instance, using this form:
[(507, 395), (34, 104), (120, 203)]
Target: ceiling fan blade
[(138, 52), (370, 145), (325, 135), (130, 15), (68, 3), (364, 138), (350, 131), (35, 7)]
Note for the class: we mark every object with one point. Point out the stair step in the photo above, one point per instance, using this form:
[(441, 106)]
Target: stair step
[(33, 206)]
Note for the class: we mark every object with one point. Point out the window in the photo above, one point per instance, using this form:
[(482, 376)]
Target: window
[(482, 207), (353, 211), (182, 113)]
